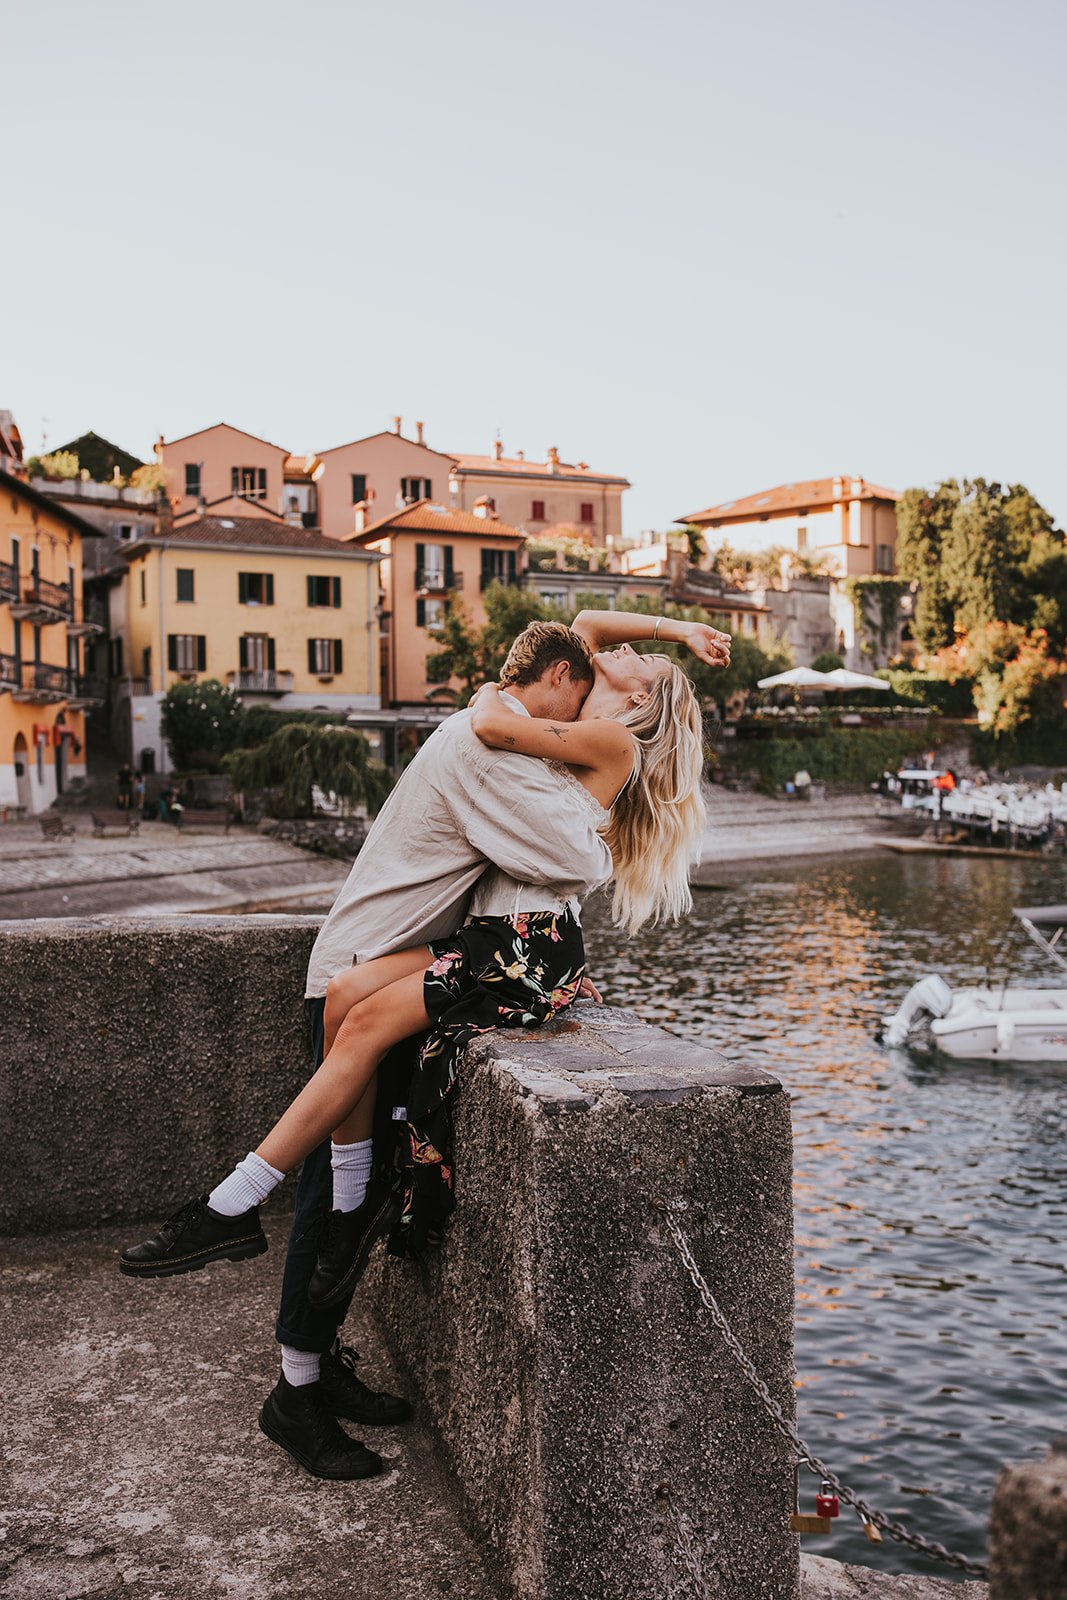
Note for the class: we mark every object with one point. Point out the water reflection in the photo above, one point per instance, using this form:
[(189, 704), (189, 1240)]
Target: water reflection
[(930, 1197)]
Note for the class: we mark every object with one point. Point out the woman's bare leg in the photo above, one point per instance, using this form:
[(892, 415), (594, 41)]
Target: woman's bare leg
[(342, 993), (370, 1029)]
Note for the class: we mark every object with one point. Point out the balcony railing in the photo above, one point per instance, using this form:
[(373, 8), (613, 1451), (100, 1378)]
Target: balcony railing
[(88, 691), (431, 580), (250, 681), (43, 684), (9, 581), (43, 601), (9, 672)]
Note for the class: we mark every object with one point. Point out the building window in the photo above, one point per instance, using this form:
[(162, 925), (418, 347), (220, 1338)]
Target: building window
[(537, 513), (585, 512), (359, 487), (433, 567), (255, 652), (431, 612), (186, 652), (185, 584), (884, 558), (249, 482), (416, 488), (802, 537), (116, 657), (255, 588), (125, 530), (142, 586), (499, 566), (324, 657), (192, 479), (555, 597), (324, 591), (146, 661)]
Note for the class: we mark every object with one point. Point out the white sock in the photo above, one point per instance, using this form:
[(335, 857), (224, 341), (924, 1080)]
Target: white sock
[(300, 1366), (250, 1182), (351, 1165)]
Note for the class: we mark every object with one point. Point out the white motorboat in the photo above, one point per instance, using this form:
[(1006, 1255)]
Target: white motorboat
[(995, 1022)]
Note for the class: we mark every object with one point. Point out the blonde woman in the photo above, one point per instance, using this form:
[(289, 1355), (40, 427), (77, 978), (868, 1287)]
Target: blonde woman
[(636, 752)]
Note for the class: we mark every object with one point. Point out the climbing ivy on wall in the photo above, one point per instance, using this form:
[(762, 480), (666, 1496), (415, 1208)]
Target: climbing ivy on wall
[(880, 596)]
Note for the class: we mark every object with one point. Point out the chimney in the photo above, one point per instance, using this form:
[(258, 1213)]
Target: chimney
[(583, 466), (553, 458), (158, 447), (396, 424), (201, 507), (839, 485), (857, 486), (520, 455), (483, 507), (361, 509), (498, 449), (418, 432)]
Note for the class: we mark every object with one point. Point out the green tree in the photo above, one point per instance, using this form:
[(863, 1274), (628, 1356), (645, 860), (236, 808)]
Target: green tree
[(476, 655), (201, 722), (924, 518), (827, 662), (62, 465), (300, 755)]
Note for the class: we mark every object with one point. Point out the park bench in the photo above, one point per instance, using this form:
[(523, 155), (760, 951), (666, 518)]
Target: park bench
[(54, 825), (188, 818), (128, 821)]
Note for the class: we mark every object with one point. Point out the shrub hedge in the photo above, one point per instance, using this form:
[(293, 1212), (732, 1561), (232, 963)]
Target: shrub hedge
[(848, 757)]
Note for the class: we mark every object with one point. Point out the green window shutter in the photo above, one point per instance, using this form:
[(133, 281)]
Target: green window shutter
[(337, 655), (242, 588), (242, 652), (270, 588), (420, 565), (450, 575), (311, 655), (311, 590), (420, 613), (172, 652), (201, 652), (335, 588), (235, 480), (270, 655), (512, 558)]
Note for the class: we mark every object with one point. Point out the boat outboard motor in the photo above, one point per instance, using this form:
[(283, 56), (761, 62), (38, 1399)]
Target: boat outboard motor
[(931, 996)]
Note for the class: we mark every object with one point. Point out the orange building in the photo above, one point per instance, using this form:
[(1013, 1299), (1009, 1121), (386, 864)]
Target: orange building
[(543, 498), (220, 461), (433, 558), (44, 691), (847, 522)]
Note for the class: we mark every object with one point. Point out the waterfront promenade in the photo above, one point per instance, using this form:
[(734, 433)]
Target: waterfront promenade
[(159, 870)]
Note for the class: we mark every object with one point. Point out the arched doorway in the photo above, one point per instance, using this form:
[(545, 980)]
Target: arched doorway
[(22, 773)]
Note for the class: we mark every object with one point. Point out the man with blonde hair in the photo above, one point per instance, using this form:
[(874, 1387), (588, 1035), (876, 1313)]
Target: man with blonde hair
[(458, 809)]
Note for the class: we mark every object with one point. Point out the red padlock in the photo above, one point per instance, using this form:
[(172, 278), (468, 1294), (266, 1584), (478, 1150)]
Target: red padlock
[(826, 1501)]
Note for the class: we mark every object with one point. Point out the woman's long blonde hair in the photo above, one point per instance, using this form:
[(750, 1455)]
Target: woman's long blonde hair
[(657, 823)]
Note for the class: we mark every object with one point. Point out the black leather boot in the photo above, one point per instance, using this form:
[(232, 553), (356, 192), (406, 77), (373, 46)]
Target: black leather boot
[(297, 1418), (347, 1396), (191, 1238), (349, 1238)]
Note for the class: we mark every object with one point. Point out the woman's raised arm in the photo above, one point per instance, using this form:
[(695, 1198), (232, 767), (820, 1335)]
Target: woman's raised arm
[(600, 742), (602, 630)]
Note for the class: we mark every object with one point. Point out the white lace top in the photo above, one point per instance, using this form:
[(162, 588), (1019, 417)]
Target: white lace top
[(496, 895)]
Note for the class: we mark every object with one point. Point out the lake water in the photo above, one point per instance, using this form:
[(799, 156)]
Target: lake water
[(931, 1198)]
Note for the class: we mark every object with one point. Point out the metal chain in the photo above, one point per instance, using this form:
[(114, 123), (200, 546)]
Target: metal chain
[(895, 1530)]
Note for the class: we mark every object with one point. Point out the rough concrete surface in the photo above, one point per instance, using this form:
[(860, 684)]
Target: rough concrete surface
[(753, 827), (579, 1391), (1028, 1530), (134, 1468), (154, 1053), (822, 1579)]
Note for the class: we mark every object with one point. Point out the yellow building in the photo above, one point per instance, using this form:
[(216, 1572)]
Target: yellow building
[(44, 691), (280, 613)]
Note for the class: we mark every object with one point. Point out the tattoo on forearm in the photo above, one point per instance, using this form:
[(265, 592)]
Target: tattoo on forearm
[(559, 732), (508, 739)]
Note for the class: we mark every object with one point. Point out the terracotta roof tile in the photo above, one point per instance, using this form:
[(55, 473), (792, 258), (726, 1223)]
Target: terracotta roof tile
[(792, 497), (426, 517), (245, 533), (511, 466)]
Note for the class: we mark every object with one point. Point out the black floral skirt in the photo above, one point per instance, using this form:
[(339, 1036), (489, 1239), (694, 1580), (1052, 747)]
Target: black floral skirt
[(497, 972)]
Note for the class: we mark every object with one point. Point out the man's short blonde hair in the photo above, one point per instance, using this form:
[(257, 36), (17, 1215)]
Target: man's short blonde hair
[(539, 647)]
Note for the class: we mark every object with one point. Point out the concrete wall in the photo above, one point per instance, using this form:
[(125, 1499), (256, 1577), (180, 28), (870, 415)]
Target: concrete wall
[(588, 1410)]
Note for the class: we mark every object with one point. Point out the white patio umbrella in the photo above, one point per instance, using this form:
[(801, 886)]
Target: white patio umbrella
[(797, 678), (842, 678)]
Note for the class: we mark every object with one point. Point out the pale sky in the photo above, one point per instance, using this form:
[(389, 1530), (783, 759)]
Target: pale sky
[(714, 247)]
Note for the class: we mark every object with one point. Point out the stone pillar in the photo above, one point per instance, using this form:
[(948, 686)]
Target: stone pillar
[(594, 1419), (1028, 1529)]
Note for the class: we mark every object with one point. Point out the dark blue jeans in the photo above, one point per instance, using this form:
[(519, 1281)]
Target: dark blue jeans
[(300, 1325)]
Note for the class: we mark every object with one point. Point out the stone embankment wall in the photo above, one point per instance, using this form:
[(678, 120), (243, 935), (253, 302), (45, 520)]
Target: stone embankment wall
[(601, 1433)]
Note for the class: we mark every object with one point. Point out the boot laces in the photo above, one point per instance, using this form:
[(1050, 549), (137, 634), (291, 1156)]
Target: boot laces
[(186, 1216)]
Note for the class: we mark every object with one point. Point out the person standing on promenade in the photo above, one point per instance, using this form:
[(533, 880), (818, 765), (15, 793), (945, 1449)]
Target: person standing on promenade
[(123, 786)]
